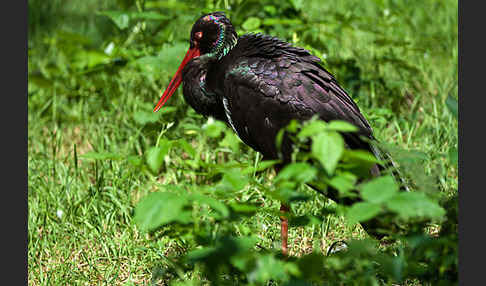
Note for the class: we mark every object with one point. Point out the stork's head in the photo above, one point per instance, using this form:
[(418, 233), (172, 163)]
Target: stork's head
[(212, 35)]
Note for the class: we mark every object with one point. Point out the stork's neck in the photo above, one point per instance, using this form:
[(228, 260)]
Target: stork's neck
[(196, 91), (227, 39)]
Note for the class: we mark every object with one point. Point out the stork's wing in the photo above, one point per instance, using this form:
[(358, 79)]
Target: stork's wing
[(263, 92)]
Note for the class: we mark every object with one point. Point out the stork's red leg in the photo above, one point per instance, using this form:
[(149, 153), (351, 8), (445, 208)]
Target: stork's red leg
[(284, 228)]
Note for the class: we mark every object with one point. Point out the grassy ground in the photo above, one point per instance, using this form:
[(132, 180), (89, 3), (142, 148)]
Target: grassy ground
[(399, 62)]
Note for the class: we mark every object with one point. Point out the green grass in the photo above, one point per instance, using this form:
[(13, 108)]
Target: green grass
[(80, 209)]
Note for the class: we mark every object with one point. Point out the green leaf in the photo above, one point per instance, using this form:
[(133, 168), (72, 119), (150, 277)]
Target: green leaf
[(414, 204), (362, 211), (312, 128), (288, 195), (298, 172), (93, 57), (135, 161), (304, 220), (360, 155), (230, 140), (120, 18), (311, 266), (262, 165), (214, 128), (144, 117), (187, 147), (298, 4), (328, 148), (267, 268), (344, 183), (246, 209), (270, 10), (379, 190), (164, 64), (159, 209), (227, 248), (233, 180), (251, 23), (213, 203), (155, 156), (343, 126), (452, 105), (201, 254)]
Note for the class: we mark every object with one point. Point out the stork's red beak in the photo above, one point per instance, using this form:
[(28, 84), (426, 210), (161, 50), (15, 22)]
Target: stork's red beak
[(177, 79)]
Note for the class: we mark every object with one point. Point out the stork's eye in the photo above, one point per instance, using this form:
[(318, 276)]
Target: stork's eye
[(198, 35)]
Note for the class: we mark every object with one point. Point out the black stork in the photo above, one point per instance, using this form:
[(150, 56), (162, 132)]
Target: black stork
[(257, 84)]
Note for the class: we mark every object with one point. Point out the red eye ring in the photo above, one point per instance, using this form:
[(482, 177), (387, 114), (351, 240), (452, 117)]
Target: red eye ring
[(198, 35)]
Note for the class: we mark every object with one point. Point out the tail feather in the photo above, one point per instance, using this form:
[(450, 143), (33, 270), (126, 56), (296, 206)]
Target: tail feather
[(389, 164)]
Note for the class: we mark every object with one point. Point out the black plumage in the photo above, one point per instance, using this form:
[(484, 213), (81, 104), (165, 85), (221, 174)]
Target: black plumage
[(257, 84)]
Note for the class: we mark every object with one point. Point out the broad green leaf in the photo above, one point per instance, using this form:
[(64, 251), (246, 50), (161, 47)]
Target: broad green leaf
[(94, 58), (230, 140), (135, 160), (262, 165), (288, 194), (83, 59), (249, 209), (120, 18), (227, 248), (293, 126), (328, 148), (214, 128), (201, 254), (267, 268), (251, 23), (304, 220), (361, 155), (298, 4), (187, 147), (270, 10), (311, 266), (144, 117), (379, 190), (344, 183), (213, 203), (362, 211), (299, 172), (161, 208), (452, 105), (164, 64), (155, 156), (339, 125), (233, 180), (414, 204), (312, 128)]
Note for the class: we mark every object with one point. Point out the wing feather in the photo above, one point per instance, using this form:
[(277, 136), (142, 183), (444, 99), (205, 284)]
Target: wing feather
[(271, 82)]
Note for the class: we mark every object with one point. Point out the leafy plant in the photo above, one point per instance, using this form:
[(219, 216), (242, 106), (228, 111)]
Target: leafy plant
[(99, 160), (225, 256)]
